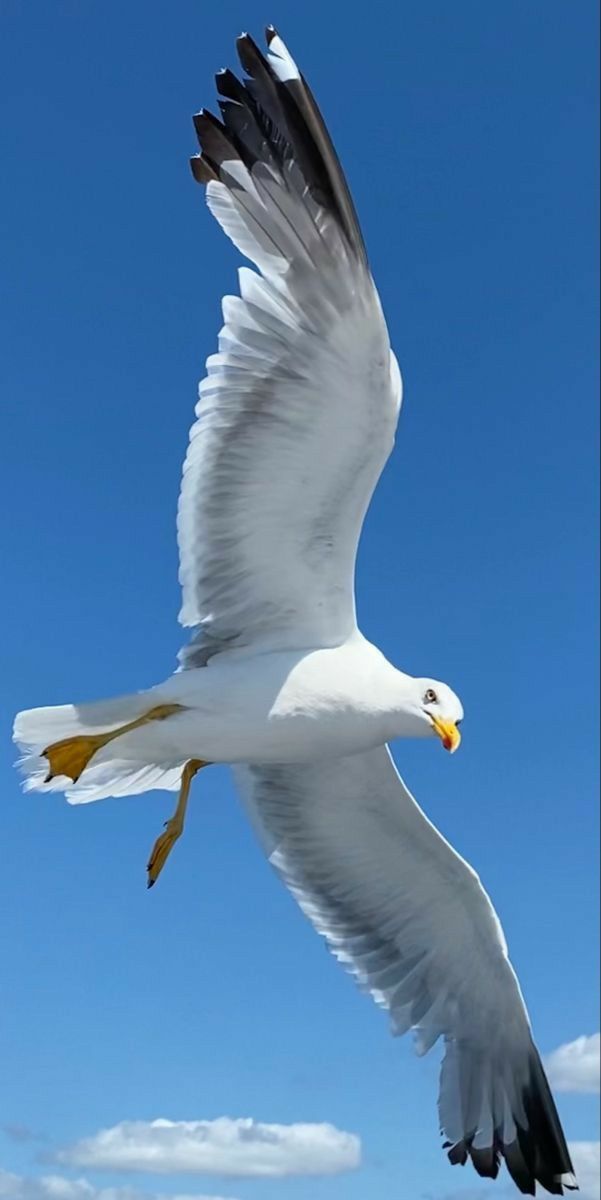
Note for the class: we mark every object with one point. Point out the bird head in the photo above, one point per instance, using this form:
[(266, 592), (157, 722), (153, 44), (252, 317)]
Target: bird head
[(441, 708)]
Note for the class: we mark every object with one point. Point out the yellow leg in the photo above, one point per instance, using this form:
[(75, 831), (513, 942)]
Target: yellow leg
[(174, 827), (71, 756)]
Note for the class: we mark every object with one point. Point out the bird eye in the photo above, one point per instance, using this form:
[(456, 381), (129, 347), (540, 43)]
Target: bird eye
[(430, 696)]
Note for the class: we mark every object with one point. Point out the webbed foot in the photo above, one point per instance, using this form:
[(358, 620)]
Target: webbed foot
[(71, 755)]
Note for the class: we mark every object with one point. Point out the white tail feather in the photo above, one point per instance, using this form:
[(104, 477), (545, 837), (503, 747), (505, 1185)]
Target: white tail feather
[(111, 775)]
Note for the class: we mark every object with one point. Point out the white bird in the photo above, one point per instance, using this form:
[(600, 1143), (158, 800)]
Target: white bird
[(296, 418)]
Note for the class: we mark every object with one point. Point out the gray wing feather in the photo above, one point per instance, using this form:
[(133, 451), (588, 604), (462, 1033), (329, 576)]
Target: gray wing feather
[(297, 414), (410, 919)]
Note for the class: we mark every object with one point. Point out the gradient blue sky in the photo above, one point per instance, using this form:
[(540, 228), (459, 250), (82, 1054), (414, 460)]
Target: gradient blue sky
[(468, 133)]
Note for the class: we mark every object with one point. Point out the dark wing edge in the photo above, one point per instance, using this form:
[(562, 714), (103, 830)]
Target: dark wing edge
[(271, 118), (539, 1152)]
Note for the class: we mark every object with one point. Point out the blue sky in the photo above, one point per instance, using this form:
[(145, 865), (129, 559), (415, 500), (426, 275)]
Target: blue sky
[(468, 133)]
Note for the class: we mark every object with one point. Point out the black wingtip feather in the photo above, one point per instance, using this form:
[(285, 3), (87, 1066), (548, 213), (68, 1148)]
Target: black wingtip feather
[(209, 130), (458, 1154), (537, 1154), (486, 1161), (229, 86), (202, 171), (518, 1169), (251, 57), (277, 122)]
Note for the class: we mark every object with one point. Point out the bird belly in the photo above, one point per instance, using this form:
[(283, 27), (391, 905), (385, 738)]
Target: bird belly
[(277, 707), (296, 737)]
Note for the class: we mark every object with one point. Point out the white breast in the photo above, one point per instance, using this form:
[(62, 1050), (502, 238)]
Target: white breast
[(284, 706)]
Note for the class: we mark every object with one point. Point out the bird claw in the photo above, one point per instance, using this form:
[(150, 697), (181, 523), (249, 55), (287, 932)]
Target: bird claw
[(161, 850)]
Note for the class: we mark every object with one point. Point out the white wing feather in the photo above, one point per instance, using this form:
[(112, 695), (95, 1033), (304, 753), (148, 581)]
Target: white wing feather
[(296, 418), (411, 920)]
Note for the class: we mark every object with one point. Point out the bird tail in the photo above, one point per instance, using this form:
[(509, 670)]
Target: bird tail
[(82, 727)]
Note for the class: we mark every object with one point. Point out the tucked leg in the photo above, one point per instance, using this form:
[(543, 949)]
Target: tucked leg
[(174, 827), (71, 756)]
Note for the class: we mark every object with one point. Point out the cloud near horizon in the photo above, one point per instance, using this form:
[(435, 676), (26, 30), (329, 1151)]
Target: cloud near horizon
[(587, 1165), (57, 1187), (575, 1066), (235, 1147), (586, 1156)]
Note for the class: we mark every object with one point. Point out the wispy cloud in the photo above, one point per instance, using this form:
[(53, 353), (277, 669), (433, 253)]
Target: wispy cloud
[(57, 1187), (241, 1147), (21, 1133), (575, 1066), (587, 1164)]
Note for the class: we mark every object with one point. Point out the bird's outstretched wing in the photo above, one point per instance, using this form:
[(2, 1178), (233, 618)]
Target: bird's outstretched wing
[(298, 410), (410, 919)]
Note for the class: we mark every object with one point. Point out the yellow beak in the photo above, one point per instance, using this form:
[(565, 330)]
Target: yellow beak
[(447, 732)]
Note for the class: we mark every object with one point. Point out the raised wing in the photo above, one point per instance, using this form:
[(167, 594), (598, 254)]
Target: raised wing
[(410, 919), (297, 413)]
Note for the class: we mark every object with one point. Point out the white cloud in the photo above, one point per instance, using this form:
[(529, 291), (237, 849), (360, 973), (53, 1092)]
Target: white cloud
[(241, 1147), (587, 1164), (575, 1067), (57, 1187)]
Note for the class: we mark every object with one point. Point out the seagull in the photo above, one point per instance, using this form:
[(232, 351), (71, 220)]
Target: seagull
[(296, 417)]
